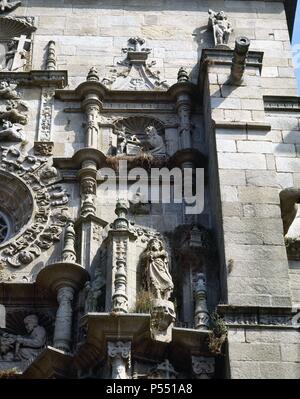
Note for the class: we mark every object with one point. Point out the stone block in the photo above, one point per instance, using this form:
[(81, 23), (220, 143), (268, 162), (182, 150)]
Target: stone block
[(285, 150), (284, 164), (254, 352), (229, 194), (242, 161), (256, 147), (261, 178), (244, 370), (259, 195), (232, 177)]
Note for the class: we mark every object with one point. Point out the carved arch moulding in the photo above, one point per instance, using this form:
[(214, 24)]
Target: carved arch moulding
[(33, 204)]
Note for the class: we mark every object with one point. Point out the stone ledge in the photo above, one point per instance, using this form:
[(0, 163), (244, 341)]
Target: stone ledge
[(40, 78), (242, 125)]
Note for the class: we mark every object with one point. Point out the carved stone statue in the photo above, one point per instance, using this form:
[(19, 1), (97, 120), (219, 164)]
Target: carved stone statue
[(93, 292), (221, 27), (127, 144), (25, 347), (157, 276), (15, 111), (11, 132), (154, 142), (8, 5), (8, 92)]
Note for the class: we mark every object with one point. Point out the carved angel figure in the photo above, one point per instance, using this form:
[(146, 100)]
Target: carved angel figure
[(7, 5), (221, 26), (157, 279), (11, 132), (154, 142)]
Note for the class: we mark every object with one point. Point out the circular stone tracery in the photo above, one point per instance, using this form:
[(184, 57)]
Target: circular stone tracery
[(16, 206), (4, 228)]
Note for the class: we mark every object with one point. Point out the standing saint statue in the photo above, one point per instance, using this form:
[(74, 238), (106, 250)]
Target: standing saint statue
[(221, 27), (157, 279)]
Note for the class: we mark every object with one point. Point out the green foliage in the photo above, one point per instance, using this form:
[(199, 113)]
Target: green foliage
[(144, 302)]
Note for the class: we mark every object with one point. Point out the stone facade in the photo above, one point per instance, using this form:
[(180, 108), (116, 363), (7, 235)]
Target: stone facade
[(129, 289)]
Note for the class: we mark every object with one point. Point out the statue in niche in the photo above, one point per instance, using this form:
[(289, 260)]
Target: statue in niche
[(11, 132), (8, 92), (221, 27), (7, 5), (156, 270), (138, 206), (127, 144), (154, 143), (20, 348), (93, 292)]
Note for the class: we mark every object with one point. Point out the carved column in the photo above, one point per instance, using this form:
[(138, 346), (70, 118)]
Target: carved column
[(69, 254), (120, 357), (184, 110), (63, 321), (203, 367), (92, 105), (51, 57), (88, 188), (201, 311), (120, 246), (120, 274)]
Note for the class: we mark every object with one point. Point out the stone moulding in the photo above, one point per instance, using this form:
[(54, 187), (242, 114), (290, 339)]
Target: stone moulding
[(58, 79), (257, 316), (282, 104)]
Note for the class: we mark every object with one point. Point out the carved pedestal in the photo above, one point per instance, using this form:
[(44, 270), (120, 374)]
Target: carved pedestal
[(120, 356)]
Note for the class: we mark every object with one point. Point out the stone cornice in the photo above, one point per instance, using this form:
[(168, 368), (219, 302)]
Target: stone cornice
[(282, 104), (105, 94), (38, 78)]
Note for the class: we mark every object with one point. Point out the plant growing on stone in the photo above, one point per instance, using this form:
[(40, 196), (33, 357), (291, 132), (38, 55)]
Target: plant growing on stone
[(144, 302), (218, 334)]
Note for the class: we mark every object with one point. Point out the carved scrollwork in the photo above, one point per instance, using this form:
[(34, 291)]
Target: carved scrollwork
[(43, 200)]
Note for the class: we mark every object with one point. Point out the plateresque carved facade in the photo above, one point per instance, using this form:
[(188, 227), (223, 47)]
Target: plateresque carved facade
[(131, 288)]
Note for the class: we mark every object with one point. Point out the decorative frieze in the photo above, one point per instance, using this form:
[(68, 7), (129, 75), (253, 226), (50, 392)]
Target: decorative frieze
[(46, 112)]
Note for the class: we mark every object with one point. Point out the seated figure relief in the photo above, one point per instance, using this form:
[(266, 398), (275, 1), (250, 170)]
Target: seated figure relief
[(149, 142), (19, 348)]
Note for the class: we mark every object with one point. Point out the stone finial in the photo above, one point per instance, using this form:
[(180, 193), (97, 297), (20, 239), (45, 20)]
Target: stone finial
[(200, 293), (51, 56), (69, 254), (93, 75), (182, 76), (121, 211)]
